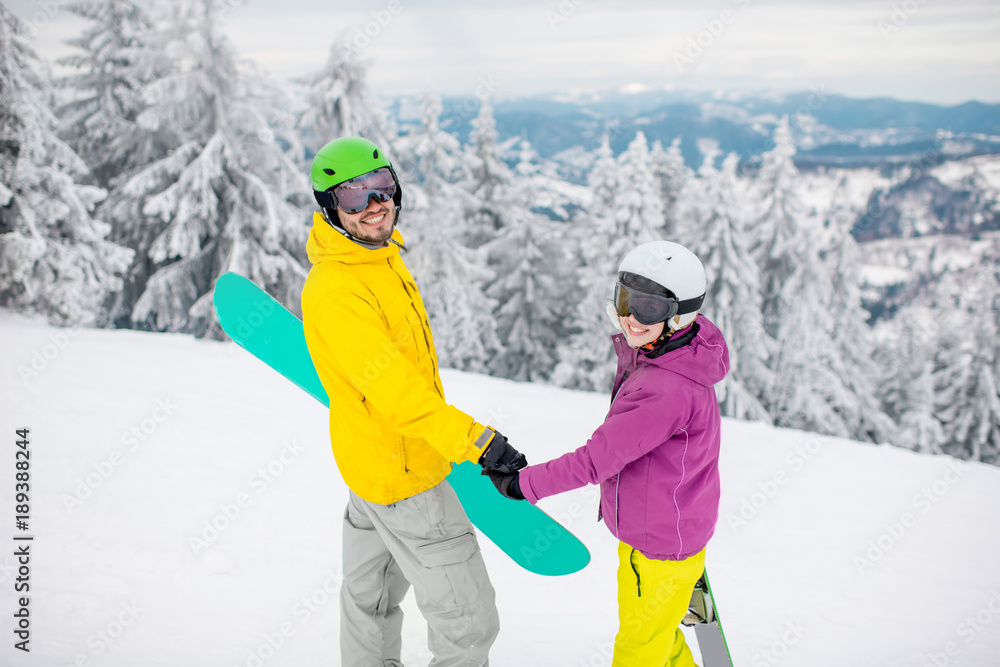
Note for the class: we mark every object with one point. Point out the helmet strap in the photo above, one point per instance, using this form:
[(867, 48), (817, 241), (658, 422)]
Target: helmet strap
[(324, 199), (690, 305), (329, 213), (673, 327), (346, 234)]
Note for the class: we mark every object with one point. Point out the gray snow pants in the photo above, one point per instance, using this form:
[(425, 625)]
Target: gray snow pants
[(428, 542)]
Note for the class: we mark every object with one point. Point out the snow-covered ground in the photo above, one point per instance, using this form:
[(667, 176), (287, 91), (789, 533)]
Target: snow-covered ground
[(186, 511)]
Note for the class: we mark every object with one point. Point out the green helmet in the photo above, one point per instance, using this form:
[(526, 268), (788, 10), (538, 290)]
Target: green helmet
[(343, 159)]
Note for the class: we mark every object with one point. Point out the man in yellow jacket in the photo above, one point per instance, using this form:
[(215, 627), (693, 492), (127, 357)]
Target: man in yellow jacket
[(393, 435)]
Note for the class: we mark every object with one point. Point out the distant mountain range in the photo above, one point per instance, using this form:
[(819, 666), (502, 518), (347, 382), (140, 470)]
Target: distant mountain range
[(829, 129)]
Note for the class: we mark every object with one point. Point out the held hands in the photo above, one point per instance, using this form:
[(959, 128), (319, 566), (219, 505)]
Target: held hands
[(501, 457), (501, 462), (508, 485)]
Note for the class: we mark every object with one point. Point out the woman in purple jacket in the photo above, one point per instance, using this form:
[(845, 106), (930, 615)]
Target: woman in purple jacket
[(656, 456)]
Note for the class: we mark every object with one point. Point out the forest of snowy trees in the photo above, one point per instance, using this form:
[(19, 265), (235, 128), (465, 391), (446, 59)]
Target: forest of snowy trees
[(163, 161)]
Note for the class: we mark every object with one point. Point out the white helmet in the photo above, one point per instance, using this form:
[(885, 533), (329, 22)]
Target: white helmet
[(674, 268)]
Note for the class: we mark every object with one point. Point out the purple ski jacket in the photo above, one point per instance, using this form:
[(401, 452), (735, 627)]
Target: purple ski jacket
[(656, 456)]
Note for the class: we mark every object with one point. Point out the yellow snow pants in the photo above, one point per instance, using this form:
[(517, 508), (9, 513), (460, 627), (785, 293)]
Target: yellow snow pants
[(653, 596)]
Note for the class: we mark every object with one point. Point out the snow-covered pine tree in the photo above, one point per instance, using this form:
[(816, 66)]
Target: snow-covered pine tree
[(552, 195), (586, 360), (532, 286), (120, 56), (490, 178), (451, 276), (668, 166), (122, 53), (966, 368), (99, 120), (54, 256), (219, 200), (638, 206), (713, 206), (809, 390), (338, 104), (851, 335), (778, 242), (905, 348)]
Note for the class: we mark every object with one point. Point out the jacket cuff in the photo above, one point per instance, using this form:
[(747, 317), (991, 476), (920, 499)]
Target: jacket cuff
[(481, 443), (524, 481)]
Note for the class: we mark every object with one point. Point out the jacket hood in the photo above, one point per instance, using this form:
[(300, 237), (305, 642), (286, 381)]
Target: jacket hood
[(326, 243), (705, 360)]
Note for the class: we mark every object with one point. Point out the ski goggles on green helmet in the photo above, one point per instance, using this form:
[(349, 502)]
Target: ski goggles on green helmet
[(353, 195), (647, 307)]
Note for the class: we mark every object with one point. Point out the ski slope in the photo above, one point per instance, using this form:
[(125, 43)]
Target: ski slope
[(187, 510)]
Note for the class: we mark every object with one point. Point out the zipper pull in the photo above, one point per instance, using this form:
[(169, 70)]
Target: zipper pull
[(638, 583)]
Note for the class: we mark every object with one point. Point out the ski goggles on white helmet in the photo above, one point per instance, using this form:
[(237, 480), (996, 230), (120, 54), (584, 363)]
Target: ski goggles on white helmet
[(648, 307), (353, 196)]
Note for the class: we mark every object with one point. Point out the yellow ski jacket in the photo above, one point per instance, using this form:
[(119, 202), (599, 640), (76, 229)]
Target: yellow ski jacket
[(393, 435)]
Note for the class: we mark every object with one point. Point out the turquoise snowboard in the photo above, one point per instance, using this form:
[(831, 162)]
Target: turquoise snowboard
[(267, 330)]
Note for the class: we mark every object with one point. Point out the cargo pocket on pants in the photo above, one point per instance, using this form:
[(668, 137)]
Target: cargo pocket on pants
[(455, 577), (448, 551)]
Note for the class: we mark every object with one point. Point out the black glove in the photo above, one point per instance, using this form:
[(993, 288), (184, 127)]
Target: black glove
[(508, 485), (501, 457)]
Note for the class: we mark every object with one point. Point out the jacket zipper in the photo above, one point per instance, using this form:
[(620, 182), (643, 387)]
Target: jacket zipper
[(402, 454), (638, 582), (618, 477)]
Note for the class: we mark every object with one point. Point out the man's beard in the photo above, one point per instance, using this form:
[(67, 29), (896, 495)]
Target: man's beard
[(375, 237)]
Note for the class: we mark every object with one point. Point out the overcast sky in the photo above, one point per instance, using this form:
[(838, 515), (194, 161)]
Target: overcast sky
[(942, 51)]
